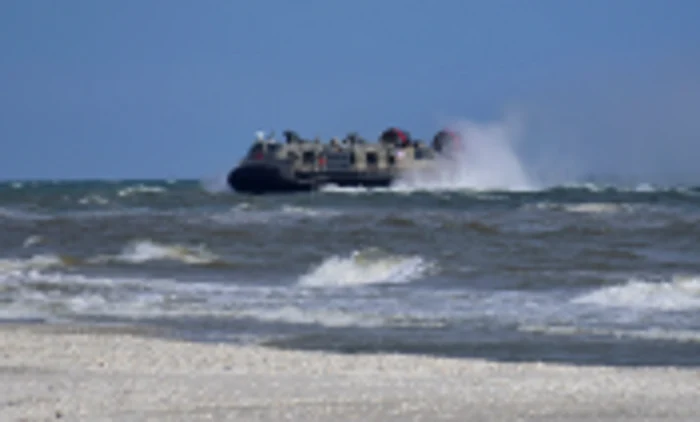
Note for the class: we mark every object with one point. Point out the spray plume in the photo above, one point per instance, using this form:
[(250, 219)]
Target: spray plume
[(484, 158)]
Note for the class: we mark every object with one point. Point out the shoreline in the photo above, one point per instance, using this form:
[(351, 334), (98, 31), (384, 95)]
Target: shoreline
[(77, 372)]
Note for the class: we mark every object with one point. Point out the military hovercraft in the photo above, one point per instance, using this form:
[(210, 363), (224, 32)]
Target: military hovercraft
[(297, 164)]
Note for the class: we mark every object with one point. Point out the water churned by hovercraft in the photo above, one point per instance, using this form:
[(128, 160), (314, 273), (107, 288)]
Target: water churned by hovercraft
[(486, 159)]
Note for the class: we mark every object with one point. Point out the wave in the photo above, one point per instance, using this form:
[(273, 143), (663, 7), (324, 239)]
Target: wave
[(140, 189), (306, 315), (416, 185), (584, 207), (246, 213), (54, 296), (35, 262), (32, 293), (679, 294), (135, 252), (364, 267), (93, 199), (38, 287), (35, 205), (141, 251), (652, 333), (19, 214)]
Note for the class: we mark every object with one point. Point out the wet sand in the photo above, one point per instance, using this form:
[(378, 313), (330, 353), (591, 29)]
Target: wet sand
[(86, 374)]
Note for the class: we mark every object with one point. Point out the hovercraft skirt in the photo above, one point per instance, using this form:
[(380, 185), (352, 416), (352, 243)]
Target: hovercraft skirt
[(260, 179), (265, 179)]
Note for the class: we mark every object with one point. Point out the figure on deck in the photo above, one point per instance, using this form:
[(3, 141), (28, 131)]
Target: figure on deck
[(395, 136), (445, 139), (292, 137)]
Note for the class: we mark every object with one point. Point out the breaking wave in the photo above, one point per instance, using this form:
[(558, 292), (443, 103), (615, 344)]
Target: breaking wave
[(135, 252), (140, 189), (34, 262), (678, 294), (33, 293), (140, 251), (583, 208), (308, 315), (368, 266)]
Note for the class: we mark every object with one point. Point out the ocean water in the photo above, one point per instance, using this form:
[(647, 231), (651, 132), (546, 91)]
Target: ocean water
[(582, 274)]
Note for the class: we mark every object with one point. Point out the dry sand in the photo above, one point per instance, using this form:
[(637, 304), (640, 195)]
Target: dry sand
[(79, 374)]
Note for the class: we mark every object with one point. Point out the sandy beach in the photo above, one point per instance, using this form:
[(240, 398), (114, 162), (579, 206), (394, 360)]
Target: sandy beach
[(86, 374)]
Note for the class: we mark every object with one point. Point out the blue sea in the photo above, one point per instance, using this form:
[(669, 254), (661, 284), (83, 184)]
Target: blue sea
[(584, 274)]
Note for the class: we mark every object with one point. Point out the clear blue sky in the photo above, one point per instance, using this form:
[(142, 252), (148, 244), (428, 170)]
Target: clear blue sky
[(176, 88)]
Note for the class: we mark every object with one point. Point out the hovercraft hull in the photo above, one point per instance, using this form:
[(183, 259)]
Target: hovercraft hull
[(299, 165)]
